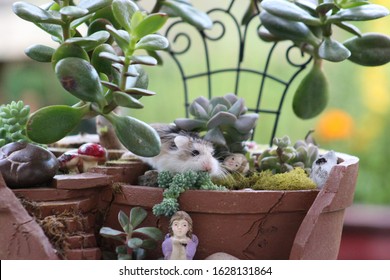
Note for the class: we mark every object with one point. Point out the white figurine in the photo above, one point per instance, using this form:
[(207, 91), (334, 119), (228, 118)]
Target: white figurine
[(321, 168)]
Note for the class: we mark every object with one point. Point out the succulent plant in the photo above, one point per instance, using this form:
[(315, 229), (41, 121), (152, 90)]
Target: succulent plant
[(224, 119), (13, 119), (284, 157), (175, 184), (91, 69), (135, 240), (310, 24)]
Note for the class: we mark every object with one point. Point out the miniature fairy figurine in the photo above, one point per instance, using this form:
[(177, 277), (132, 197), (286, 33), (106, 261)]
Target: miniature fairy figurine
[(180, 243)]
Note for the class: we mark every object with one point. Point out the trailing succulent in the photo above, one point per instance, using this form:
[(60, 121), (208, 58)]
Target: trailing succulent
[(310, 24), (224, 120), (175, 184), (135, 240), (284, 157), (102, 66), (13, 119)]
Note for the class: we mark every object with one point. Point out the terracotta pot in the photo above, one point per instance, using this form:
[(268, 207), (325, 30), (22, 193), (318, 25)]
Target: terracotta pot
[(258, 224), (246, 224)]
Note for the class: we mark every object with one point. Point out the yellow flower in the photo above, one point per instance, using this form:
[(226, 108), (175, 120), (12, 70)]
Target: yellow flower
[(334, 124)]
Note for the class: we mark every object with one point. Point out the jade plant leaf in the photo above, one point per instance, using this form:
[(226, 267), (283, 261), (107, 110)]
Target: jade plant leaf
[(35, 14), (371, 49), (112, 233), (124, 221), (134, 242), (79, 78), (137, 216), (139, 92), (73, 11), (123, 11), (189, 14), (92, 41), (101, 64), (66, 50), (50, 124), (311, 96), (289, 11), (40, 53), (125, 100), (150, 24), (137, 136), (121, 37), (332, 50), (93, 6), (287, 29), (360, 13), (143, 59), (151, 232), (152, 42)]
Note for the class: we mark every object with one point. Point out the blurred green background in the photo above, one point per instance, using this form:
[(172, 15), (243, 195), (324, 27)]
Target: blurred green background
[(356, 121)]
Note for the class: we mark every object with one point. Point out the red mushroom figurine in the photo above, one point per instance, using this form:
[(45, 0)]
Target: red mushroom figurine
[(91, 155), (70, 162)]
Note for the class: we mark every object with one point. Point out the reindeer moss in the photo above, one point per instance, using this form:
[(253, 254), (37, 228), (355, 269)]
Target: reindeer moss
[(296, 179)]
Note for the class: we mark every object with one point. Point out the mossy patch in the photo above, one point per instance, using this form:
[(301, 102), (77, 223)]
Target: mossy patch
[(296, 179)]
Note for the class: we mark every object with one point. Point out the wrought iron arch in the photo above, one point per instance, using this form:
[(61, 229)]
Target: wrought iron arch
[(178, 30)]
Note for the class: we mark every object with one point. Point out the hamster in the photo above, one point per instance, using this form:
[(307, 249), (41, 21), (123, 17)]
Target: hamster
[(183, 151)]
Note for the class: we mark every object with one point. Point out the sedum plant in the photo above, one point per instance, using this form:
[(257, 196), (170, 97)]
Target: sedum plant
[(13, 120), (284, 158), (310, 24), (135, 240), (175, 184), (224, 120)]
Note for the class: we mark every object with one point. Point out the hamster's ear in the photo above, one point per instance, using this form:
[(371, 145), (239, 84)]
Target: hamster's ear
[(181, 141)]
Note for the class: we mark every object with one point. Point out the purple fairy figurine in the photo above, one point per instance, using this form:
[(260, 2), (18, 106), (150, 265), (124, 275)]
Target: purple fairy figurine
[(180, 243)]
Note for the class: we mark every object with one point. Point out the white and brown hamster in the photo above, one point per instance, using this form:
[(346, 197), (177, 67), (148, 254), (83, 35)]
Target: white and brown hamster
[(183, 151)]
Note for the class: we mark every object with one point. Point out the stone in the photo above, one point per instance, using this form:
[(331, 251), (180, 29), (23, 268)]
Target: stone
[(26, 165)]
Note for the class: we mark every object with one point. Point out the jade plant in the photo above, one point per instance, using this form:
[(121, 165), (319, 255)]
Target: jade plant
[(134, 240), (224, 120), (311, 25), (101, 64), (283, 157)]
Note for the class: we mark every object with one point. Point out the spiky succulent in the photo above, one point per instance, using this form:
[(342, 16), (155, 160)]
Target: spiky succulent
[(284, 157), (224, 120), (13, 119)]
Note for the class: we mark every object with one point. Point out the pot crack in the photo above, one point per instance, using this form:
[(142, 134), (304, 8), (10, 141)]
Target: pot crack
[(260, 227), (15, 241)]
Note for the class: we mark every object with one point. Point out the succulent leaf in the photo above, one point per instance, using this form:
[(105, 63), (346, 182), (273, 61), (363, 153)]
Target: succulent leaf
[(79, 78), (332, 50), (137, 136), (123, 10), (40, 53), (137, 216), (311, 96), (371, 49), (57, 121)]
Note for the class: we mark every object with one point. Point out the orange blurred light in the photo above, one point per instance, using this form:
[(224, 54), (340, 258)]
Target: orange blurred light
[(334, 124)]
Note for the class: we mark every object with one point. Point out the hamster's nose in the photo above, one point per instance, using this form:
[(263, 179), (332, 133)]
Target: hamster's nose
[(207, 167)]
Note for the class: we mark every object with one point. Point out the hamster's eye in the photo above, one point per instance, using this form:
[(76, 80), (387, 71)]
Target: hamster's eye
[(195, 153)]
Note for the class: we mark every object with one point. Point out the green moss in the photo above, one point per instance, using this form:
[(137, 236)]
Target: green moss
[(296, 179)]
